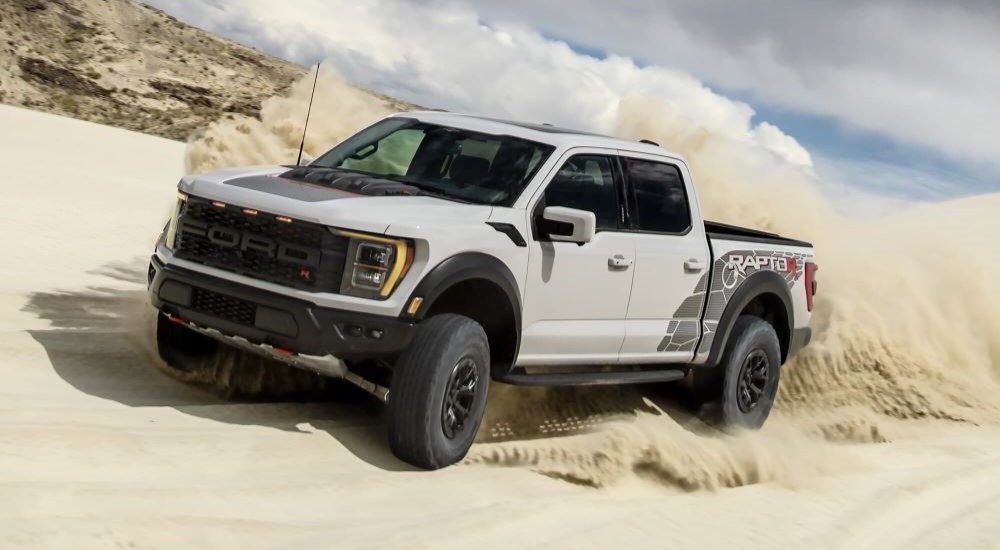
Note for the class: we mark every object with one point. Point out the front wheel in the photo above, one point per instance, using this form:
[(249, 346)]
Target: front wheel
[(438, 392)]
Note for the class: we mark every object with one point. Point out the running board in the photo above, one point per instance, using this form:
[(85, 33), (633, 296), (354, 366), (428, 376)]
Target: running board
[(592, 378)]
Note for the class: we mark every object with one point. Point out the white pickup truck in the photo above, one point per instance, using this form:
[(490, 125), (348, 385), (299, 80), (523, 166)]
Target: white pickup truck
[(431, 253)]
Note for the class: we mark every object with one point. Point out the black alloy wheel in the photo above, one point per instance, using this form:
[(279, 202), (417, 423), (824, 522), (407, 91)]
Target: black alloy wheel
[(752, 380), (459, 398)]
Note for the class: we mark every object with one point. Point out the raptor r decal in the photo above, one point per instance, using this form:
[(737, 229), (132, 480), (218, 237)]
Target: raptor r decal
[(731, 269), (741, 262)]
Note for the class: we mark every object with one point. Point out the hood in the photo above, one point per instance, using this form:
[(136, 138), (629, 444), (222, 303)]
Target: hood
[(331, 197)]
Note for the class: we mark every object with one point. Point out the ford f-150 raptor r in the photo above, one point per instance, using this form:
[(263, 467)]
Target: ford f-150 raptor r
[(453, 250)]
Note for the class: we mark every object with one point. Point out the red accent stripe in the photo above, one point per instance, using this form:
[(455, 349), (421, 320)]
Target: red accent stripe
[(176, 319), (328, 188), (283, 351)]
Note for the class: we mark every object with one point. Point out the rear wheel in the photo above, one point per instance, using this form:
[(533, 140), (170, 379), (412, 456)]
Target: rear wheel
[(739, 392), (752, 368), (438, 392)]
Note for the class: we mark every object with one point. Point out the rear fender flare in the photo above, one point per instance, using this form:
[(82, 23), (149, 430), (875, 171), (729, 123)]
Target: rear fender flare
[(762, 282)]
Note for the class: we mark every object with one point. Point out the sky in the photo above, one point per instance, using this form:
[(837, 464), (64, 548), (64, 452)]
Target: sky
[(877, 98)]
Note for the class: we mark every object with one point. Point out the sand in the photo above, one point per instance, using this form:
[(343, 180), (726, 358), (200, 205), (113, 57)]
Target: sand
[(99, 449)]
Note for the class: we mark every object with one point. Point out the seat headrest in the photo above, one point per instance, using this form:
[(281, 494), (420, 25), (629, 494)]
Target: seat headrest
[(467, 169), (575, 181)]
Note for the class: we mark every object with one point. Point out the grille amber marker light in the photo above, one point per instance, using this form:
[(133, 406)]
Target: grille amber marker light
[(283, 219), (414, 305), (397, 267), (218, 204), (250, 211)]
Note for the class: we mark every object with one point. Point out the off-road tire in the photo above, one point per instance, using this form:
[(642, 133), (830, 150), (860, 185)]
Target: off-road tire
[(421, 380), (753, 344)]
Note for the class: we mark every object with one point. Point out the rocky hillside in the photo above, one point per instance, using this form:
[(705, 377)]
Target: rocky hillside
[(125, 64)]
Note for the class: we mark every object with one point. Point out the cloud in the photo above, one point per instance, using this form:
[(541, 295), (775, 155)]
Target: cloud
[(442, 55), (922, 73)]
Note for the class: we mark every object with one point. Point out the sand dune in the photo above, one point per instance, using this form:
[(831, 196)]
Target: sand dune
[(98, 448)]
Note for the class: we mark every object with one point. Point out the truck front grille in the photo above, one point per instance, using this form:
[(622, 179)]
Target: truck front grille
[(294, 253), (224, 307)]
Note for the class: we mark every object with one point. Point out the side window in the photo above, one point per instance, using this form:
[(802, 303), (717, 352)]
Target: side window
[(586, 182), (658, 199)]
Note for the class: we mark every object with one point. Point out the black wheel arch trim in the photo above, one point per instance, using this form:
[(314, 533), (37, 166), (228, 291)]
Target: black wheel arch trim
[(464, 267), (762, 282)]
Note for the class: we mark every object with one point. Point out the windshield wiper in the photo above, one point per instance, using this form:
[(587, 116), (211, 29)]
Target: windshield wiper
[(431, 190), (425, 190)]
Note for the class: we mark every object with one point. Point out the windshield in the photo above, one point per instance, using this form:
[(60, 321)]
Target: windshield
[(455, 163)]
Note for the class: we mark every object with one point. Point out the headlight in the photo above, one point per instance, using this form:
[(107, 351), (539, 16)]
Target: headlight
[(375, 264), (171, 236)]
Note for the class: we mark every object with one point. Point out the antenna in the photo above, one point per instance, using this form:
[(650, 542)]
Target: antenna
[(302, 145)]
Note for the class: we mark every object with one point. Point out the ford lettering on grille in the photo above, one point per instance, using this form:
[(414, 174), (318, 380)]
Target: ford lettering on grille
[(250, 242), (300, 255)]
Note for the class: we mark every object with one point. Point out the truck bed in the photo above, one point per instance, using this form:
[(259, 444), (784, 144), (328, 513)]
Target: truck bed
[(718, 230)]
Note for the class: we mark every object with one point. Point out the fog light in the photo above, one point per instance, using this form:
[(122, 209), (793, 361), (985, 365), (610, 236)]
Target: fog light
[(376, 333), (367, 277)]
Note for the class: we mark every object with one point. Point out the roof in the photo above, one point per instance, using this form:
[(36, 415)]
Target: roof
[(542, 133)]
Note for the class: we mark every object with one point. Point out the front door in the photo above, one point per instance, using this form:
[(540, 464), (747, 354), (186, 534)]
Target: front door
[(577, 296)]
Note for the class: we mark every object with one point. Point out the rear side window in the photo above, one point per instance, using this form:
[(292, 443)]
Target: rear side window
[(658, 199), (586, 182)]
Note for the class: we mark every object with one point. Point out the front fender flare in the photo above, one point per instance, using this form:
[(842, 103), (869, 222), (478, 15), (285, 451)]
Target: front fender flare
[(464, 267)]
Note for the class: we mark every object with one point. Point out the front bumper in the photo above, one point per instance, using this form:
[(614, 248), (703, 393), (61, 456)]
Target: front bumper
[(261, 317)]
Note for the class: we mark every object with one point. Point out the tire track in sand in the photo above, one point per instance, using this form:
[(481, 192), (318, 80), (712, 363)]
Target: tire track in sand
[(921, 506)]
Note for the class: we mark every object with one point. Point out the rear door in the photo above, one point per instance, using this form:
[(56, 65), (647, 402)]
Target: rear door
[(663, 322), (575, 300)]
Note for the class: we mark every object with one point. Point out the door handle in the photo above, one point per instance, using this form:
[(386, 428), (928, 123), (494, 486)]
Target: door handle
[(693, 265), (619, 261)]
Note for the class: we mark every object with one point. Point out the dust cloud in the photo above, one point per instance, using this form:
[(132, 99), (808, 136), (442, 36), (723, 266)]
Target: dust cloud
[(339, 110), (905, 321), (906, 331)]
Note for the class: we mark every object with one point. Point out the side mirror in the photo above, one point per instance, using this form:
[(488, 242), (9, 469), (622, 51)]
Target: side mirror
[(569, 224)]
